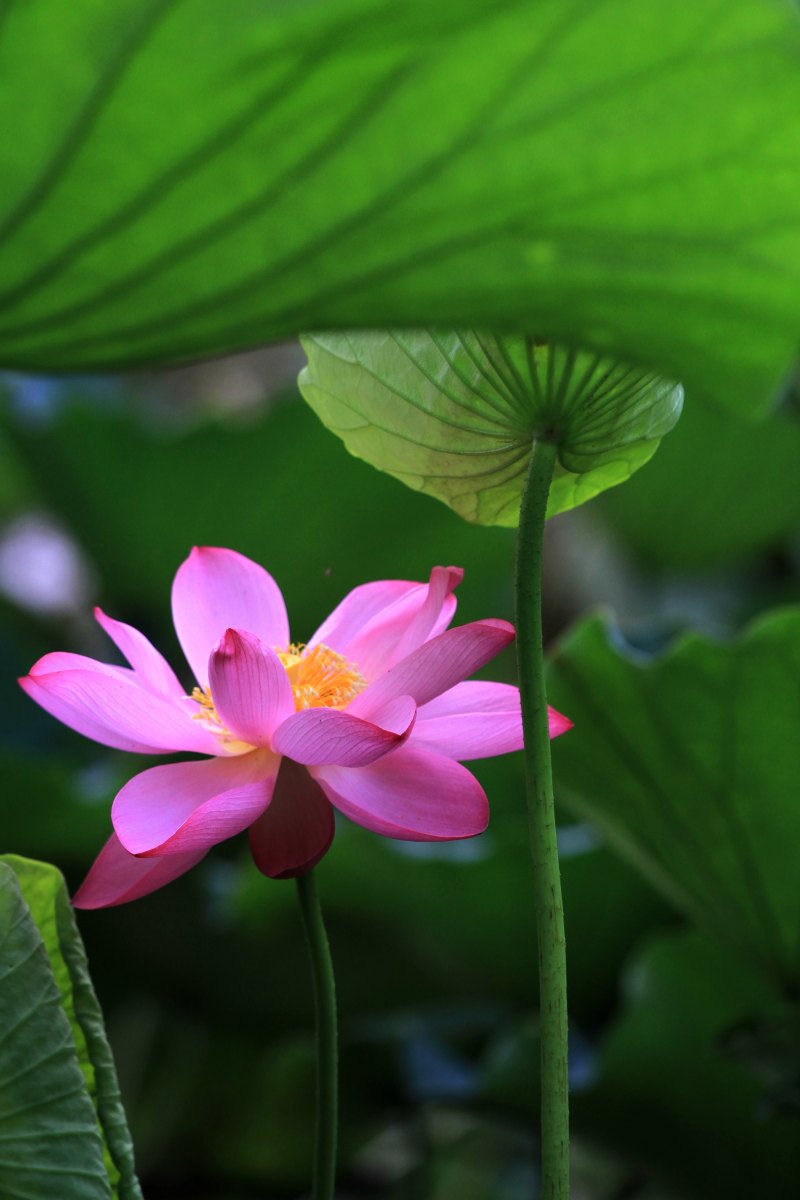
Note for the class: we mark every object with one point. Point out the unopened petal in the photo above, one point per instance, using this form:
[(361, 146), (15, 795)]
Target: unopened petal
[(189, 807), (117, 876), (328, 735), (218, 589), (251, 689), (109, 705), (412, 794), (296, 830)]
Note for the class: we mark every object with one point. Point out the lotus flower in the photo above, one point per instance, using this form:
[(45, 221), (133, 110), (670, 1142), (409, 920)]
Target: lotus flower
[(370, 717)]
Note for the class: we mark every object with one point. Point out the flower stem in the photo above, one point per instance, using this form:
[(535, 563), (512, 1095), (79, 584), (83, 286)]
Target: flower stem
[(542, 828), (324, 1175)]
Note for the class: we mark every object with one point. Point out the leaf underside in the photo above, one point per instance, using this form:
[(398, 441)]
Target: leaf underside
[(455, 414)]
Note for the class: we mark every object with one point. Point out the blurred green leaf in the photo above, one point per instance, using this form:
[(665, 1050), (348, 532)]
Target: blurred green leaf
[(670, 1098), (452, 926), (56, 821), (43, 890), (189, 179), (719, 489), (138, 499), (689, 764), (454, 414)]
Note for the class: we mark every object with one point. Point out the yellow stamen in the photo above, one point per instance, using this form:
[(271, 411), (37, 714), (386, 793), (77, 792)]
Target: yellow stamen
[(213, 722), (208, 712), (320, 677)]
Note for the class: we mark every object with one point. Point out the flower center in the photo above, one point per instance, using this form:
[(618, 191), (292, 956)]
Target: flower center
[(321, 678)]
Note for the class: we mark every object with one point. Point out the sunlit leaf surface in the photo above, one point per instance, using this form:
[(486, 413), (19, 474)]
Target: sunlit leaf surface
[(183, 179)]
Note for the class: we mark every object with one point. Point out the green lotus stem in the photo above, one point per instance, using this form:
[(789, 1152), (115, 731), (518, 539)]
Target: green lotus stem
[(542, 828), (324, 1172)]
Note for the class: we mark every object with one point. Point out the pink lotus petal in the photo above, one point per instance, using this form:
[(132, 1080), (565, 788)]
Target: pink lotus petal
[(476, 720), (215, 590), (109, 705), (436, 666), (357, 609), (117, 877), (251, 690), (471, 720), (392, 634), (329, 735), (188, 807), (296, 830), (435, 613), (152, 669), (411, 794)]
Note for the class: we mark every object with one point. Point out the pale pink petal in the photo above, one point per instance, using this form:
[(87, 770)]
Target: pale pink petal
[(436, 666), (215, 590), (476, 720), (117, 876), (109, 705), (329, 735), (471, 720), (296, 830), (357, 609), (251, 690), (188, 807), (392, 634), (151, 668), (411, 794)]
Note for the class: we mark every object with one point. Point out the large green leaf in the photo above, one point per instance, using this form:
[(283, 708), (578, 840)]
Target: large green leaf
[(50, 1145), (181, 179), (103, 1159), (455, 414), (690, 764)]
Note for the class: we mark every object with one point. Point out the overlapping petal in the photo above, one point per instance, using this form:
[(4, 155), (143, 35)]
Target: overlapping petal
[(188, 807), (250, 687), (109, 705), (377, 625), (411, 794), (329, 735), (394, 633), (218, 589), (151, 668), (436, 666), (357, 609), (117, 876), (476, 720), (296, 830)]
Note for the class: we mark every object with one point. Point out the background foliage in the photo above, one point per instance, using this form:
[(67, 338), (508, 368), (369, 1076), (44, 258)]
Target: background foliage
[(204, 984)]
